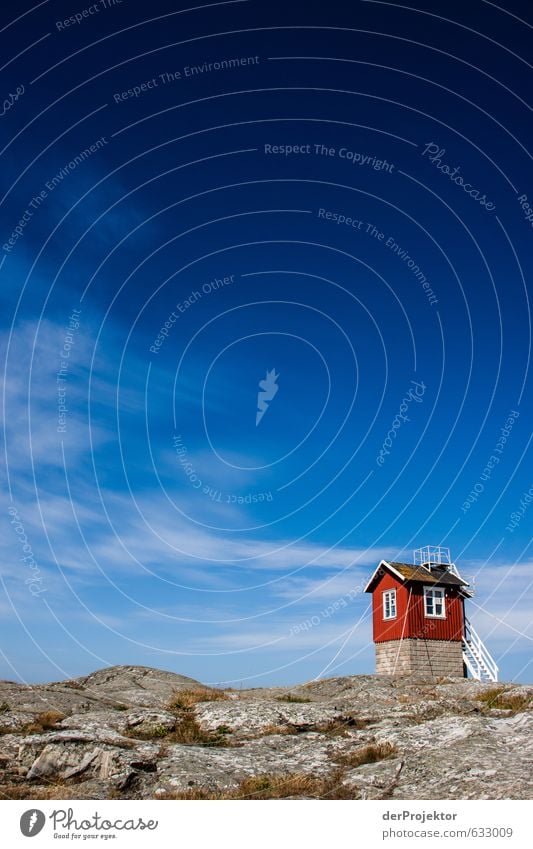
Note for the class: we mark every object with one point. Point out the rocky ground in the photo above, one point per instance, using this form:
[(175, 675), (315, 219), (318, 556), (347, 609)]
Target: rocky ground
[(134, 732)]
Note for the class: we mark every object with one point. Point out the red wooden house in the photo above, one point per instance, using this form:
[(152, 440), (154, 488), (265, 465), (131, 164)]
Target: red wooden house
[(419, 620)]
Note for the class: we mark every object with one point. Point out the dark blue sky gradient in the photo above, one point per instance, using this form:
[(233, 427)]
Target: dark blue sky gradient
[(167, 528)]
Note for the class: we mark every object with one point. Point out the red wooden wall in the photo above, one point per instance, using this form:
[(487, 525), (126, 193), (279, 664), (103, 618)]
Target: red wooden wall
[(410, 621), (389, 629), (420, 626)]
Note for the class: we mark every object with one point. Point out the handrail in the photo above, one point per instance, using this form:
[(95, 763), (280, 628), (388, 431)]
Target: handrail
[(484, 652), (485, 657), (474, 670), (472, 637)]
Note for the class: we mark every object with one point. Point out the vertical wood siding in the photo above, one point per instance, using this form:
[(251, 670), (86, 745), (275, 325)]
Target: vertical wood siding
[(421, 626), (410, 619), (389, 629)]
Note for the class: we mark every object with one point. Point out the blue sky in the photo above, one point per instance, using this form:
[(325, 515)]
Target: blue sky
[(167, 528)]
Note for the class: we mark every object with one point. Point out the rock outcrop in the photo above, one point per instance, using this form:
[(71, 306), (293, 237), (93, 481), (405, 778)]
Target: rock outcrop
[(136, 732)]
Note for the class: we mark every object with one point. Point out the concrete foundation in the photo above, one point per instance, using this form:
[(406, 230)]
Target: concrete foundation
[(419, 656)]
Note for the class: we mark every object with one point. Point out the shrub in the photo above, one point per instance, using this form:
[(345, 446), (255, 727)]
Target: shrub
[(158, 731), (4, 707), (147, 732)]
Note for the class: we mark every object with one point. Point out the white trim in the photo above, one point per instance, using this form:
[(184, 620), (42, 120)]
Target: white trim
[(392, 604), (388, 566), (441, 591)]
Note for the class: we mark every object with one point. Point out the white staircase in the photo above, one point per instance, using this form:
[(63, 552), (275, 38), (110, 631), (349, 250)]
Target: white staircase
[(479, 661)]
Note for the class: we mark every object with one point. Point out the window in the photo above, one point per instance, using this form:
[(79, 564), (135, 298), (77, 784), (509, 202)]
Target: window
[(434, 602), (389, 604)]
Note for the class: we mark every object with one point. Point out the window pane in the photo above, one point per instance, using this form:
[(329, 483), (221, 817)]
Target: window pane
[(389, 604), (434, 601)]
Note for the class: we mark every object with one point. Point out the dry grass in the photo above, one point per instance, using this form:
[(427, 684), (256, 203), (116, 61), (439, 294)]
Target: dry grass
[(339, 726), (289, 697), (268, 786), (267, 730), (46, 721), (370, 754), (185, 699), (27, 791), (497, 697), (187, 731)]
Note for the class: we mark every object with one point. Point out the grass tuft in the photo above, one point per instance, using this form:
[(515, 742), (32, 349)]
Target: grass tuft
[(267, 730), (184, 699), (24, 791), (46, 721), (268, 786), (187, 731), (370, 754), (340, 726), (497, 697)]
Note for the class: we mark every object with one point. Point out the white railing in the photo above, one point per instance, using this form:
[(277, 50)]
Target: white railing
[(476, 655), (432, 554)]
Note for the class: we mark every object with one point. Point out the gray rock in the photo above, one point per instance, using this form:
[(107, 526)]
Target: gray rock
[(148, 719), (118, 738)]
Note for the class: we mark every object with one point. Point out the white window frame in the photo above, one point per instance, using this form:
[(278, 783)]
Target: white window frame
[(434, 592), (389, 600)]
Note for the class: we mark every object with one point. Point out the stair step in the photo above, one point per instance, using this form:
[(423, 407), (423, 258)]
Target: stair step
[(477, 658), (476, 663)]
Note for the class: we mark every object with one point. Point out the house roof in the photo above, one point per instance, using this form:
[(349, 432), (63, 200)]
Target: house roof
[(421, 574)]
